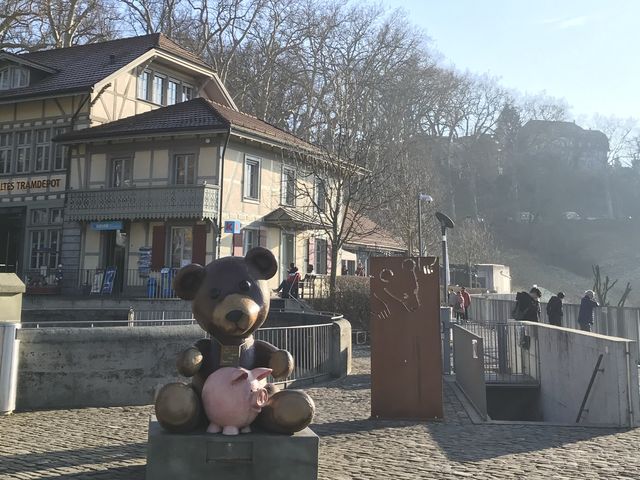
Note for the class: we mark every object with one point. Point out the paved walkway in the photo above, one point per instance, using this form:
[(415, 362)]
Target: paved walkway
[(109, 443)]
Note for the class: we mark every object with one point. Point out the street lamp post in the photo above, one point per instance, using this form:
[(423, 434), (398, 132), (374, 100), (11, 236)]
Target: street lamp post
[(445, 222), (426, 198)]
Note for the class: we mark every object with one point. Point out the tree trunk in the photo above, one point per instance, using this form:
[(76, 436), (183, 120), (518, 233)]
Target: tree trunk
[(332, 276)]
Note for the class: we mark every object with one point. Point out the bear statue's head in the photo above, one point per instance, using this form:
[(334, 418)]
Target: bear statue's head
[(230, 296)]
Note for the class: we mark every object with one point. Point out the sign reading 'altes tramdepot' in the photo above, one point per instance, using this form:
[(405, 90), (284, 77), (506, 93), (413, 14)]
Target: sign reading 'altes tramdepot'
[(28, 184)]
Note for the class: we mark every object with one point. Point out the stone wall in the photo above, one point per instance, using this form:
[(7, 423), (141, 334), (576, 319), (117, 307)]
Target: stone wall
[(568, 359), (116, 366)]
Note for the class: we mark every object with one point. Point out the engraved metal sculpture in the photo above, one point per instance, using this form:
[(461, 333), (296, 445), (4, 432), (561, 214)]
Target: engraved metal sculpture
[(406, 365)]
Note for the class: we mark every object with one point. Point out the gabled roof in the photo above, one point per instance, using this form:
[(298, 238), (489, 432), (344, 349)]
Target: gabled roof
[(80, 67), (194, 115), (290, 217), (375, 237), (21, 60)]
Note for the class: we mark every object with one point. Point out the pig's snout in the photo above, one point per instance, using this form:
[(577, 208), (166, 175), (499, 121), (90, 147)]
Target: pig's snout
[(259, 398)]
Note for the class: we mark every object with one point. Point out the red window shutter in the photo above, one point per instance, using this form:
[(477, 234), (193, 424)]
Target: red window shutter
[(157, 247), (199, 244), (311, 249), (237, 245), (262, 237)]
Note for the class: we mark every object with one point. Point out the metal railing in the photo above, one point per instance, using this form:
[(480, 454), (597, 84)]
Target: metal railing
[(510, 354), (623, 322), (310, 345), (91, 281)]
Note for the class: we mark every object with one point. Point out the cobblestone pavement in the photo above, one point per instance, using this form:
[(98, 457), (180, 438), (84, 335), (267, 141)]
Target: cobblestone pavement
[(109, 443)]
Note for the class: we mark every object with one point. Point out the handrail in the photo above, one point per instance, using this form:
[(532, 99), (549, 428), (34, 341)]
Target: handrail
[(588, 392)]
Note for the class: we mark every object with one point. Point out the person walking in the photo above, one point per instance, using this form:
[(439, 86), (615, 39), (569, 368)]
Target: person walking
[(467, 302), (554, 309), (527, 305), (585, 315), (452, 298), (458, 307)]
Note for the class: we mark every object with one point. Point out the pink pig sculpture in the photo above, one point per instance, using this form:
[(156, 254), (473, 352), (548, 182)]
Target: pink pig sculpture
[(233, 398)]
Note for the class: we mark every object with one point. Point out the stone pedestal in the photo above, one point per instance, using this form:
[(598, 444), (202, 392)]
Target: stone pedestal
[(256, 455), (11, 290)]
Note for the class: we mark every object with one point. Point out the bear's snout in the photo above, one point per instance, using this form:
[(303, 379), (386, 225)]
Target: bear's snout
[(236, 314)]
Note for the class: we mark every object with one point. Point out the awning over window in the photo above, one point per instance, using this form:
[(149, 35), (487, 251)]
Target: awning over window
[(290, 218)]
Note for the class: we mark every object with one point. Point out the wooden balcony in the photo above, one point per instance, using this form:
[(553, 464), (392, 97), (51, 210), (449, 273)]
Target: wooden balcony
[(135, 203)]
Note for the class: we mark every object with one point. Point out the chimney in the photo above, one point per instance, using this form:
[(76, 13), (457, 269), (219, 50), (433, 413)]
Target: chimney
[(112, 59)]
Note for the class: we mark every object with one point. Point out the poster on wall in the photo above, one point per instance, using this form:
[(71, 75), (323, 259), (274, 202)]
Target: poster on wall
[(96, 285), (144, 261), (109, 278)]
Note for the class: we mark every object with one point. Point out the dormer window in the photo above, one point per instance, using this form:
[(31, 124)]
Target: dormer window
[(13, 77)]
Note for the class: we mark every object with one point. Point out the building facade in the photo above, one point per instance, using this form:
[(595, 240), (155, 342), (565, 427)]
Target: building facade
[(122, 161)]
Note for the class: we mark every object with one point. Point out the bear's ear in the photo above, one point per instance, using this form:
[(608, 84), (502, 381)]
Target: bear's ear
[(262, 262), (188, 280)]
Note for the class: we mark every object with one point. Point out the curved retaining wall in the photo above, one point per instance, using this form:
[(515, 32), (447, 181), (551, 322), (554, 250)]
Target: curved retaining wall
[(116, 366)]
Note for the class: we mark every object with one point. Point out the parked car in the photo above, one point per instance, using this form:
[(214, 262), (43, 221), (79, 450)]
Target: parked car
[(570, 216)]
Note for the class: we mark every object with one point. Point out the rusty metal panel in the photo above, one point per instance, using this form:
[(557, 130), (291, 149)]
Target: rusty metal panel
[(406, 361)]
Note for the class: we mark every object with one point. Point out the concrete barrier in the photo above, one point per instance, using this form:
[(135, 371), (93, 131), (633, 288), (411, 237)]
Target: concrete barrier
[(117, 366), (568, 359), (469, 367)]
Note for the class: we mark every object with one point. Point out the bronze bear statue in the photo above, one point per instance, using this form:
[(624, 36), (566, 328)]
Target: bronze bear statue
[(230, 300)]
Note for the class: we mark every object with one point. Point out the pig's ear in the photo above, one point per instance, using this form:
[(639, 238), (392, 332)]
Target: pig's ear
[(241, 376), (261, 373)]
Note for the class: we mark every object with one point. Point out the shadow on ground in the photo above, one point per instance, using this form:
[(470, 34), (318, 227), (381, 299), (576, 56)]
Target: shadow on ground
[(26, 463)]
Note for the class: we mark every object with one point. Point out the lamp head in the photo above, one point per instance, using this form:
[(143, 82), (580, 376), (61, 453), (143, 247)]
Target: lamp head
[(444, 220)]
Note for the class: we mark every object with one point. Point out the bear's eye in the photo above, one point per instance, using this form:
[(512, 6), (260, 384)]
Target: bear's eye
[(214, 293), (244, 285)]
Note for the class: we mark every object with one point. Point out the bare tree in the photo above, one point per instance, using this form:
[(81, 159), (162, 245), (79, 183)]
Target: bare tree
[(63, 23), (15, 16), (342, 188), (472, 242)]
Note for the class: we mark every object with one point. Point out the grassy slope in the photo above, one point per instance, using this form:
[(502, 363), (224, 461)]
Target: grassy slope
[(615, 247)]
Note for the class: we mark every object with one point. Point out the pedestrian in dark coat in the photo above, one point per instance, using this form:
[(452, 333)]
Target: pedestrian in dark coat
[(585, 315), (527, 305), (554, 309)]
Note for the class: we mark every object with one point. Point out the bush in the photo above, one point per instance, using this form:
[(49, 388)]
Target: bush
[(352, 301)]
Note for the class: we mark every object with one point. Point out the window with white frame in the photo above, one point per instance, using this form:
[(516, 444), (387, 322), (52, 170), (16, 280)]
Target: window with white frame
[(250, 239), (23, 151), (252, 178), (45, 237), (187, 92), (59, 151), (38, 249), (288, 186), (144, 89), (172, 92), (122, 172), (184, 169), (159, 85), (43, 149), (13, 77), (5, 152), (54, 248), (55, 215), (181, 246)]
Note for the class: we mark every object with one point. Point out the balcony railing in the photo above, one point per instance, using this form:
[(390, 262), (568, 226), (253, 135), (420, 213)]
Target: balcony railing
[(134, 203)]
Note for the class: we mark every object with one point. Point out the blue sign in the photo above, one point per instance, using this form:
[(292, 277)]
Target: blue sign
[(112, 225), (232, 226)]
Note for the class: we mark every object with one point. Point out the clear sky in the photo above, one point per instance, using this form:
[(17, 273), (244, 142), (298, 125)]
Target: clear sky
[(586, 51)]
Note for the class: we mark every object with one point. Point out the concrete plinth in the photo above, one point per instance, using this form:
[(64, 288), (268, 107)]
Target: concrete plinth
[(255, 455)]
